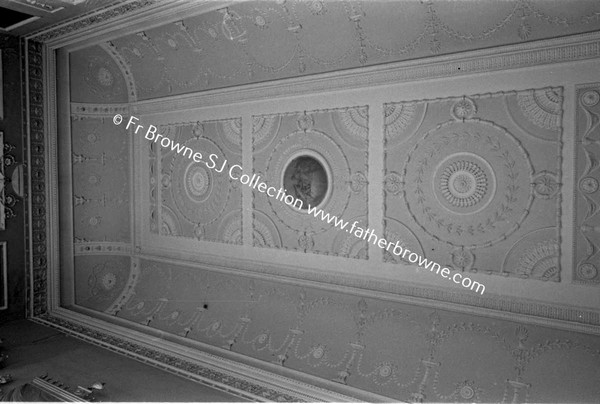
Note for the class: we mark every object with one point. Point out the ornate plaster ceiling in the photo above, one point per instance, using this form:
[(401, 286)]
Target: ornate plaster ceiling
[(46, 13), (256, 41)]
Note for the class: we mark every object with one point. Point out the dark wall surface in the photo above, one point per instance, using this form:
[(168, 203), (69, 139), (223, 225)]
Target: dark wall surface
[(11, 201)]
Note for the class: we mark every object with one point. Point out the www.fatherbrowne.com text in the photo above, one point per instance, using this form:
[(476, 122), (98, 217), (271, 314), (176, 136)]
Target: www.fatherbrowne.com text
[(236, 173)]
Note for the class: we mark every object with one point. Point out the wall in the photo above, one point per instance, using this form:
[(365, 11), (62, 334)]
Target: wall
[(12, 214)]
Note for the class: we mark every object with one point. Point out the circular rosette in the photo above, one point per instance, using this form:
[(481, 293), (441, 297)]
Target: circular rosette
[(100, 73), (464, 183), (199, 193), (392, 183), (306, 164), (467, 391), (464, 109), (468, 183), (104, 77), (545, 185), (385, 373), (316, 355), (105, 283), (589, 185), (462, 259), (261, 341), (590, 98), (587, 272)]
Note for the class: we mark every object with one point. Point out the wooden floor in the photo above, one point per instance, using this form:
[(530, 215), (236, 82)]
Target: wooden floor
[(34, 350)]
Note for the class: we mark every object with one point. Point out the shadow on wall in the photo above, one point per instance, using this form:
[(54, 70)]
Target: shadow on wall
[(12, 229)]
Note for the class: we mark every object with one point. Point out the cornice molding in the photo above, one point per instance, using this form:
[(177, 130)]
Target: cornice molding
[(93, 17), (119, 20), (538, 53)]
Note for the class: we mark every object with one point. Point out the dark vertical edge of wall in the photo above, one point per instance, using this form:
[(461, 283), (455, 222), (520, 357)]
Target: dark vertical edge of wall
[(12, 126)]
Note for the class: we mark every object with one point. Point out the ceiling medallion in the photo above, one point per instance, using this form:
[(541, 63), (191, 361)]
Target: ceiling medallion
[(472, 168), (463, 183), (307, 178)]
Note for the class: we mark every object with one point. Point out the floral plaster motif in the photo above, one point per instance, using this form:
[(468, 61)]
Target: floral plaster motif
[(545, 185), (234, 45), (464, 109), (587, 178), (100, 156), (96, 77), (198, 202), (100, 280), (463, 175), (322, 156)]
